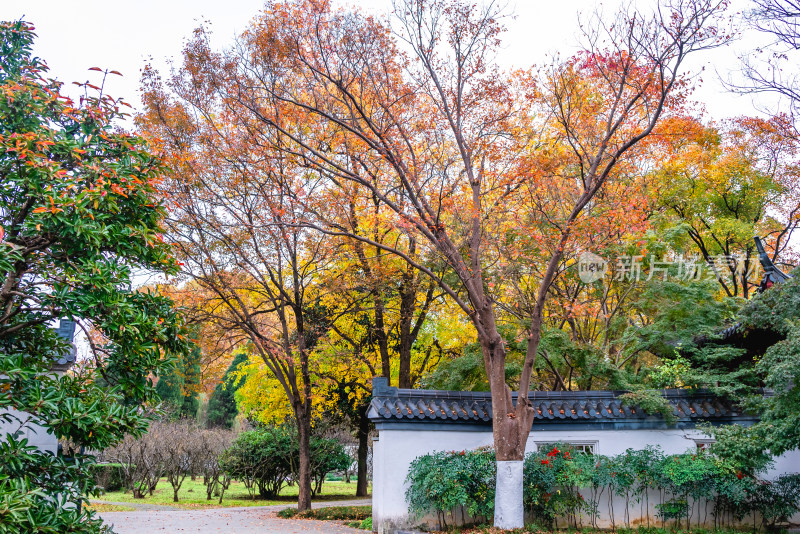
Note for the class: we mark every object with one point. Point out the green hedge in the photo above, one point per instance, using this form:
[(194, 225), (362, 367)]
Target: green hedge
[(110, 476), (565, 488), (329, 513), (265, 458)]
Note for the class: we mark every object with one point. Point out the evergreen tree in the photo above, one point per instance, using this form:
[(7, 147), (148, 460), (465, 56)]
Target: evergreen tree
[(178, 388), (222, 406), (79, 211)]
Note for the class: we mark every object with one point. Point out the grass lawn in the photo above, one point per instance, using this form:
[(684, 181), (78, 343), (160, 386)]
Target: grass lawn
[(193, 495)]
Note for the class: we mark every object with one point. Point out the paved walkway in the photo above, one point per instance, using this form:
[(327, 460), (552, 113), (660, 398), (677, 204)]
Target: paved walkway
[(239, 520), (138, 506)]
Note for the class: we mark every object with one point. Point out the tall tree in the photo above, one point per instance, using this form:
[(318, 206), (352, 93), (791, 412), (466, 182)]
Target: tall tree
[(725, 183), (178, 388), (238, 224), (78, 213), (439, 139)]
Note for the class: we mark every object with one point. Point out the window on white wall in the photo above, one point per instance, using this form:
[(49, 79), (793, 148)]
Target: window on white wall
[(575, 447), (703, 444)]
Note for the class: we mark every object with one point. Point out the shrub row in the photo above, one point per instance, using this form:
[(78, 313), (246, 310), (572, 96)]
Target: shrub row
[(564, 487), (266, 458), (329, 513)]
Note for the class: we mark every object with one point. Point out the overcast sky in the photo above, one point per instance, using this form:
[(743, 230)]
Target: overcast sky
[(78, 34)]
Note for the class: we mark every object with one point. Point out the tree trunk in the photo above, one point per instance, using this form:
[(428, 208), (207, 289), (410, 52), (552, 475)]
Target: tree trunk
[(408, 297), (363, 450), (509, 442), (383, 342), (510, 427), (304, 474)]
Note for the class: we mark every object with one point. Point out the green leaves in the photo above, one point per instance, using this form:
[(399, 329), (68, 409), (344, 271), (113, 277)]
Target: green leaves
[(79, 213), (443, 481), (560, 483), (38, 491), (266, 457)]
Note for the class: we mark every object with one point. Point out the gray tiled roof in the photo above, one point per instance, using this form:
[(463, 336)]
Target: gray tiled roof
[(414, 405)]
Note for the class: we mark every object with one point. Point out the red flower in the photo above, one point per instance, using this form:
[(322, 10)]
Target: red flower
[(739, 475), (545, 462), (554, 452)]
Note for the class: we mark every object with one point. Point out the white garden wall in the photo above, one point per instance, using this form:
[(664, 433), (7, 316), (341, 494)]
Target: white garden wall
[(395, 449), (37, 435)]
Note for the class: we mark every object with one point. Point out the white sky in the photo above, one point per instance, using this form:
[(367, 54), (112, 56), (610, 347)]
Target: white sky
[(75, 35)]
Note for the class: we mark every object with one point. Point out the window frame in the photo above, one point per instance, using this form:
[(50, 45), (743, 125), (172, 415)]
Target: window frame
[(544, 446)]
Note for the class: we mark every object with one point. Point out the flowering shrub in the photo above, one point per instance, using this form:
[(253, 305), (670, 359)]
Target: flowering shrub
[(449, 482), (561, 486)]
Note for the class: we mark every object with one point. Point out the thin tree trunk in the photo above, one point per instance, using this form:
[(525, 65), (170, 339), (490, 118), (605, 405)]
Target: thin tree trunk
[(408, 301), (363, 450)]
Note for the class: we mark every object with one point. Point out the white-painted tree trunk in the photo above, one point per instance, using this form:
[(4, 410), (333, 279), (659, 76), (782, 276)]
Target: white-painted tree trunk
[(508, 509)]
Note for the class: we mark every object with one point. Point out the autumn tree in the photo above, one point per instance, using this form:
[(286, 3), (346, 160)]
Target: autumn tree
[(376, 304), (448, 143), (387, 330), (237, 221), (721, 185)]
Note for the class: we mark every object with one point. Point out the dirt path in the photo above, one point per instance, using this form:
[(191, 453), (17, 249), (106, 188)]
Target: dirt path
[(239, 520)]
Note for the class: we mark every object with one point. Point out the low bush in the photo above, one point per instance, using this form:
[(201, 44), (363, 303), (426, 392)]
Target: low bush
[(266, 458), (562, 488), (110, 477), (446, 482), (328, 513), (261, 458)]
